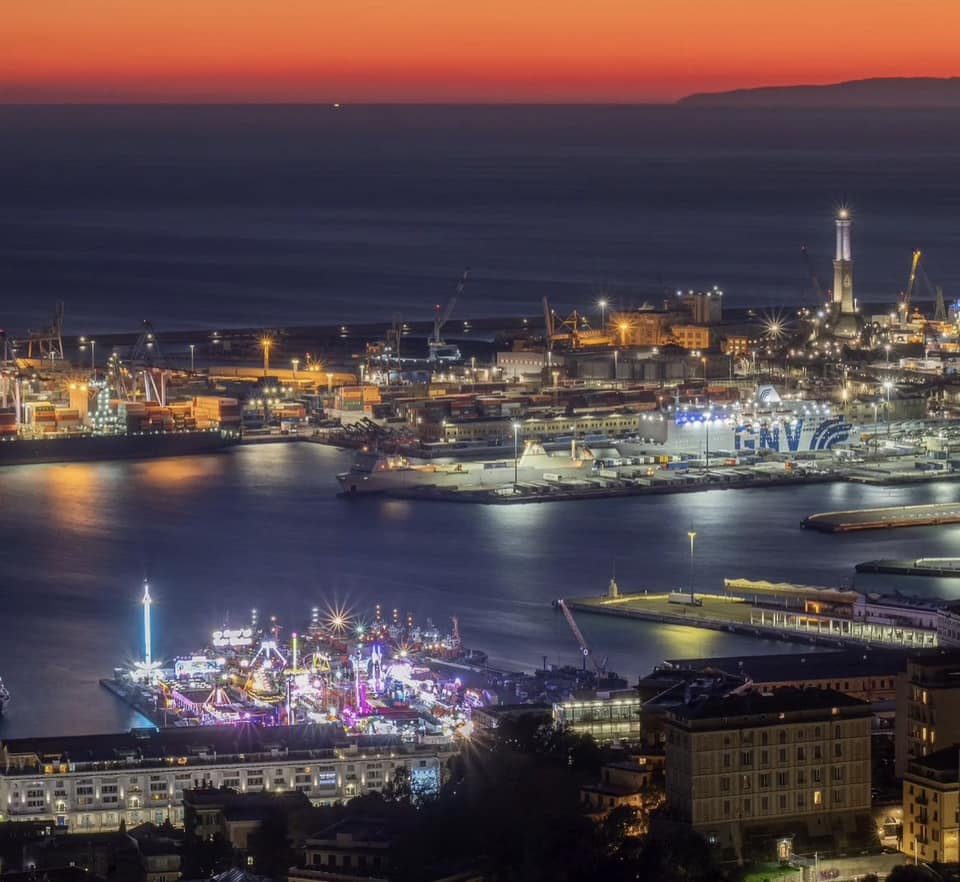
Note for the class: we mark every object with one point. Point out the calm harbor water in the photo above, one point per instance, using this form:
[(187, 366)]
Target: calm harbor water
[(261, 527)]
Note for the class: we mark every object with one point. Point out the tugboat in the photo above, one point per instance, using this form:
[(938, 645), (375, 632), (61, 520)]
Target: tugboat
[(4, 697)]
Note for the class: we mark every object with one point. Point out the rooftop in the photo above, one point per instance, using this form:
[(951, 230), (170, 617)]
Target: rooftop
[(194, 745), (357, 830), (802, 666), (769, 707), (946, 760)]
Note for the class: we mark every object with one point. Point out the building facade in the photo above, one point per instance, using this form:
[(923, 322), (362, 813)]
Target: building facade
[(91, 784), (796, 762), (608, 718), (931, 807), (928, 706), (542, 428)]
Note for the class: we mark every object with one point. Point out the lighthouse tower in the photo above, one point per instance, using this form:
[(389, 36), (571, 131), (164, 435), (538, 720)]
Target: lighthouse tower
[(845, 318)]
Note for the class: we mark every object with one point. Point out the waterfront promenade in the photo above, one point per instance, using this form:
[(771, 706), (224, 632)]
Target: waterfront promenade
[(738, 615)]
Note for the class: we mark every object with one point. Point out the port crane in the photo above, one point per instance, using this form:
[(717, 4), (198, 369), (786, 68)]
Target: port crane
[(911, 284), (440, 351), (814, 278), (601, 667), (548, 322)]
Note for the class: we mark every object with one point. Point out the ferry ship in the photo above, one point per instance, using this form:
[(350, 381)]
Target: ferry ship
[(24, 450), (767, 422), (379, 473)]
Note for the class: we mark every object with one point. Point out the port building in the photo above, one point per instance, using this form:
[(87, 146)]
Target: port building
[(93, 783)]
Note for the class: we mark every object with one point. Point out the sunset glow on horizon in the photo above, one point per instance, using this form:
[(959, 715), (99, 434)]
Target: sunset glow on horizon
[(433, 51)]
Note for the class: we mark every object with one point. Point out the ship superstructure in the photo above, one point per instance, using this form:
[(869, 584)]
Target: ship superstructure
[(765, 422)]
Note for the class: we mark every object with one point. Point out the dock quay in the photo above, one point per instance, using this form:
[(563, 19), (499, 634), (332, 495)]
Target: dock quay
[(526, 492), (794, 613), (136, 700), (883, 518), (940, 567)]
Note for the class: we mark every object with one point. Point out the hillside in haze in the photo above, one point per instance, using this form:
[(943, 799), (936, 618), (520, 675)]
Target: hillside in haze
[(891, 92)]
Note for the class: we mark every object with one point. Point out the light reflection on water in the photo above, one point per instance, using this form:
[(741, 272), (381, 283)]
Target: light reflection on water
[(261, 527)]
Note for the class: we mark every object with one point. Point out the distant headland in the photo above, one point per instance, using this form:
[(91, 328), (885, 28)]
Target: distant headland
[(878, 92)]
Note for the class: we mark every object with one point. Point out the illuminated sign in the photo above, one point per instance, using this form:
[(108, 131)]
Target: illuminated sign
[(233, 637), (198, 666)]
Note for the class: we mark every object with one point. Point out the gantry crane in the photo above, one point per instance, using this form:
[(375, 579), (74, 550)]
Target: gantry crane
[(439, 351)]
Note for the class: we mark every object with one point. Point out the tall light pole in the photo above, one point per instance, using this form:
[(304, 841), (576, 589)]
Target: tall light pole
[(706, 435), (603, 307), (265, 343), (193, 346), (516, 453), (616, 367), (296, 363), (691, 535), (93, 356)]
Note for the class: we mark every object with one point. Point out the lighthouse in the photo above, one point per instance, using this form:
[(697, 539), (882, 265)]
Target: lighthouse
[(846, 322)]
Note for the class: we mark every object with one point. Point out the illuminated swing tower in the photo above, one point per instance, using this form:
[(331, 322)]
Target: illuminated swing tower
[(147, 669), (147, 630)]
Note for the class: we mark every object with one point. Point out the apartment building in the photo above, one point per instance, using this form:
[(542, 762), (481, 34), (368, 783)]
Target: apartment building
[(92, 783), (931, 807), (928, 706), (795, 762)]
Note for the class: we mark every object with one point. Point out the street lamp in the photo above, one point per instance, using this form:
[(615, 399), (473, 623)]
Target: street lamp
[(603, 306), (516, 454), (616, 367), (193, 346), (886, 348), (266, 342), (296, 363)]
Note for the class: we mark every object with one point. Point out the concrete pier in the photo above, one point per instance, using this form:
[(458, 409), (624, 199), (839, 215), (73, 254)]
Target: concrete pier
[(884, 518)]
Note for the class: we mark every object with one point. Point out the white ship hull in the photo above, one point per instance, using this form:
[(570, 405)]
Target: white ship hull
[(381, 474)]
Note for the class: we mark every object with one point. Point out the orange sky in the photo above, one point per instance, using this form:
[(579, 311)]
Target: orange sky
[(458, 50)]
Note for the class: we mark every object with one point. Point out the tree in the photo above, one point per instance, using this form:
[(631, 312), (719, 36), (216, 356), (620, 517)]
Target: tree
[(399, 788), (908, 873), (270, 846), (618, 825), (203, 858)]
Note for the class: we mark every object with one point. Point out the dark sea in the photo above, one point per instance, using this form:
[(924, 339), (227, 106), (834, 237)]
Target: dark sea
[(214, 217), (199, 217)]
